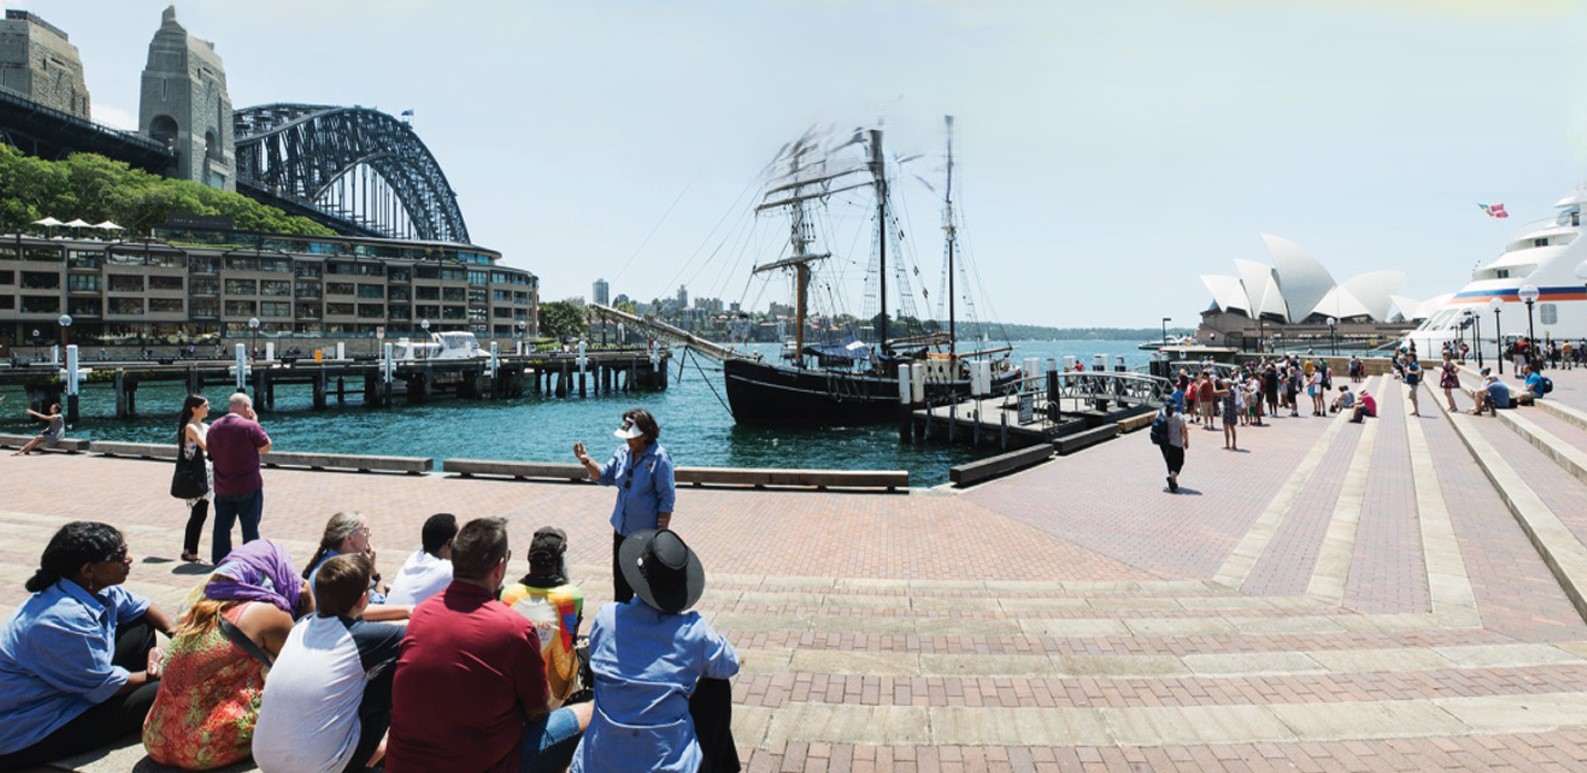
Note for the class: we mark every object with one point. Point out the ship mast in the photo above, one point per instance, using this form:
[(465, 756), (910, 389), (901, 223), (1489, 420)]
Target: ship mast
[(951, 234), (879, 172)]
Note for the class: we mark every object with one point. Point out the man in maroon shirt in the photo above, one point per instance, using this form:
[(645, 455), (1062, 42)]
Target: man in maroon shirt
[(470, 692), (234, 443)]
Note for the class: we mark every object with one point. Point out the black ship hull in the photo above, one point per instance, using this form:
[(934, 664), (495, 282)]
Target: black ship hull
[(767, 394)]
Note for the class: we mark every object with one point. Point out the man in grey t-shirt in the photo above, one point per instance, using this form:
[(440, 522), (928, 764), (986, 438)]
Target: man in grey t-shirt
[(1174, 445)]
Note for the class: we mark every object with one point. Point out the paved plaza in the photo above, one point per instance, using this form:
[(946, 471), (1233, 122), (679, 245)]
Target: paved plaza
[(1404, 594)]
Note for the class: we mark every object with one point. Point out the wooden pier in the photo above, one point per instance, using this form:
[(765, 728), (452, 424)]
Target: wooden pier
[(553, 374)]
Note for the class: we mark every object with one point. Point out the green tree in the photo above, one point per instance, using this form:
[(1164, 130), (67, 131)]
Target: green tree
[(560, 319)]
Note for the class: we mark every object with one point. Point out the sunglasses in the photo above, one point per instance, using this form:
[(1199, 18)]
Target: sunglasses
[(120, 554)]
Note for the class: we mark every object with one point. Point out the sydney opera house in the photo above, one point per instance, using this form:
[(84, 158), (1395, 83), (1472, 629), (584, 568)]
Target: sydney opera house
[(1297, 293)]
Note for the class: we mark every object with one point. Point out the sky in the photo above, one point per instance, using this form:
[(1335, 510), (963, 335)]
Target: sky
[(1107, 154)]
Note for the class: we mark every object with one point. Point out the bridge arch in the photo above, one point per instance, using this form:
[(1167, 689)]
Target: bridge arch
[(355, 169)]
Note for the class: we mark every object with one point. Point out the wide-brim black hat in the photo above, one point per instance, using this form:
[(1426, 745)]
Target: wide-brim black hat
[(662, 570)]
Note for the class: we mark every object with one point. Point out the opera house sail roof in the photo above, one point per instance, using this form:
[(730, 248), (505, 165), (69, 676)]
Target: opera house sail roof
[(1297, 286)]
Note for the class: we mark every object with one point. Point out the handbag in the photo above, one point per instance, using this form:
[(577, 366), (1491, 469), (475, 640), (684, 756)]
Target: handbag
[(190, 480)]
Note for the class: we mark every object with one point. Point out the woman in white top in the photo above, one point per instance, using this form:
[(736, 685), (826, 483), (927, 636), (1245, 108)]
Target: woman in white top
[(190, 438)]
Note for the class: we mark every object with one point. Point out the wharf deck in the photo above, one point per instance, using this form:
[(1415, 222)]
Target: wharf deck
[(1399, 594)]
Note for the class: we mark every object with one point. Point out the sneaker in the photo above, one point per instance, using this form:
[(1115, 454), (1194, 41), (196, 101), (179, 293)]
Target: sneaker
[(1173, 488)]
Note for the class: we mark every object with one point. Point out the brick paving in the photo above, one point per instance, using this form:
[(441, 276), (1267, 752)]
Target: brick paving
[(1062, 618)]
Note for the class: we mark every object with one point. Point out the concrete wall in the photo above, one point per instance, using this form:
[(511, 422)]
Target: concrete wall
[(184, 102)]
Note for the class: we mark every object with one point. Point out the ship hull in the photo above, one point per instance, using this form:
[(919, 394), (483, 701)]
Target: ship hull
[(762, 393)]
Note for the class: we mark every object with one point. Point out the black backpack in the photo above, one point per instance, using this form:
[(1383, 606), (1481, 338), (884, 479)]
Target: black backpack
[(1159, 430), (1546, 384)]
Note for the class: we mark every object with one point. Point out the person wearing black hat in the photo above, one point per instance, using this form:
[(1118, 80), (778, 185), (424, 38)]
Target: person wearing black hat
[(555, 605), (662, 700), (642, 472)]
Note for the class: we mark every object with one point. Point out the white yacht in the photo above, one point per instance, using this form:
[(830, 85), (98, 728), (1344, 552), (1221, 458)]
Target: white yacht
[(450, 345), (1549, 255)]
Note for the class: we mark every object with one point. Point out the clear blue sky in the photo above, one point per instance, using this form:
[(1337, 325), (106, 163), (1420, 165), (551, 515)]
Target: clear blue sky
[(1110, 152)]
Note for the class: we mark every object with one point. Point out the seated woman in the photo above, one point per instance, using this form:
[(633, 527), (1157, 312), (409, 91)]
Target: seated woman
[(78, 665), (204, 715), (54, 430), (556, 607), (348, 532), (662, 700)]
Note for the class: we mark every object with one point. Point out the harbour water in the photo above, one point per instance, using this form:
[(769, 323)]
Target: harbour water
[(695, 425)]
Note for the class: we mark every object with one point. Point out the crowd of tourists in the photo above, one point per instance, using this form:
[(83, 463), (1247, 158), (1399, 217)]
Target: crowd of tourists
[(327, 666)]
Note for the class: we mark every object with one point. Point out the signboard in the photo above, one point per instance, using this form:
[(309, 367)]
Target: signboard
[(380, 332), (206, 222), (1027, 408)]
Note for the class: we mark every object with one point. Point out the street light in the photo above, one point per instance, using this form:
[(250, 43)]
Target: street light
[(1166, 320), (523, 335), (424, 353), (253, 329), (1529, 295), (1498, 336), (66, 322), (1333, 335), (1476, 333)]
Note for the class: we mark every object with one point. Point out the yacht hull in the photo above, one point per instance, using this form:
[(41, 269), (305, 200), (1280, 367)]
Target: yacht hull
[(763, 393)]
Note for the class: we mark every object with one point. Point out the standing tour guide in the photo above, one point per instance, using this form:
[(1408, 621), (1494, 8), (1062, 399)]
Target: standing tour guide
[(642, 472)]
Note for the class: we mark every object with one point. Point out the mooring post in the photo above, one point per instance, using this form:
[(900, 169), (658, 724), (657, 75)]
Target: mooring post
[(72, 377), (904, 406)]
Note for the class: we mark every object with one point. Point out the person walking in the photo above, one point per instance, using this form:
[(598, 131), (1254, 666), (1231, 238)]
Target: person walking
[(54, 430), (1413, 382), (1449, 380), (1230, 401), (1175, 443), (191, 443), (235, 442), (641, 469)]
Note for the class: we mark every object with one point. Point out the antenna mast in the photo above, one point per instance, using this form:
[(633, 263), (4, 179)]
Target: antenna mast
[(879, 172), (951, 234)]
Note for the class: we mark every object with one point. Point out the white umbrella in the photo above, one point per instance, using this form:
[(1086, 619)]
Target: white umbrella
[(78, 223), (48, 222), (108, 226)]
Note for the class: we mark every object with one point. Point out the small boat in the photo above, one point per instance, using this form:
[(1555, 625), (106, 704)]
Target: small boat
[(449, 345)]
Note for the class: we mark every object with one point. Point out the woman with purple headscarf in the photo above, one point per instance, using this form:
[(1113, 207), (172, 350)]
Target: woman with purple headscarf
[(204, 715)]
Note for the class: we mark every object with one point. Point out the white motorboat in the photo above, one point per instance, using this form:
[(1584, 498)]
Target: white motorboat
[(450, 345), (1546, 260)]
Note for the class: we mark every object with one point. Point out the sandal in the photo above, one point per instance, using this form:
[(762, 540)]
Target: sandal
[(191, 558)]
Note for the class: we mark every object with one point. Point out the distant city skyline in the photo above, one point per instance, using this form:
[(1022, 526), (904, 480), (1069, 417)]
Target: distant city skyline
[(1110, 154)]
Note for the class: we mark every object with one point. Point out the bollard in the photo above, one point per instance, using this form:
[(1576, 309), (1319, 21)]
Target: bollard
[(242, 368), (72, 384), (905, 391), (270, 351), (341, 350)]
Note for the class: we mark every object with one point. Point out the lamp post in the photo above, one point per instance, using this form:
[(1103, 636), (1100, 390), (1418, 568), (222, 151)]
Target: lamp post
[(1261, 332), (38, 341), (253, 330), (1333, 335), (424, 353), (66, 323), (1166, 320), (523, 335), (1476, 333), (1498, 337), (1529, 295)]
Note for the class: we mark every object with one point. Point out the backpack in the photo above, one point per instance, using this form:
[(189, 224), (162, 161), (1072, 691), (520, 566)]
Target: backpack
[(1159, 430), (1546, 383)]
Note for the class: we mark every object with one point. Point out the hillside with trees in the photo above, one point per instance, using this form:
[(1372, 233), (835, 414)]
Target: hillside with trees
[(95, 188)]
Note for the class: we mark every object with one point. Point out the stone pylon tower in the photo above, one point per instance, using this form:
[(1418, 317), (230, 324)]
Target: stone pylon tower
[(185, 105), (38, 62)]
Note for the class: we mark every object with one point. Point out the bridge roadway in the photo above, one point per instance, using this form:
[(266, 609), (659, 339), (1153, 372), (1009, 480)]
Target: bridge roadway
[(1331, 597)]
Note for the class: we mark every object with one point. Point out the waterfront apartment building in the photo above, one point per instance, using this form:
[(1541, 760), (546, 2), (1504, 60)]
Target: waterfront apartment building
[(202, 285)]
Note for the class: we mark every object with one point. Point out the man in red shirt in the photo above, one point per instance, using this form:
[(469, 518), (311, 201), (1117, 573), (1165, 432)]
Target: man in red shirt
[(470, 692), (234, 443)]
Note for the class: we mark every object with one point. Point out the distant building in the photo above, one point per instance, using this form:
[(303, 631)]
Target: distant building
[(621, 299), (709, 305), (683, 297), (576, 300), (602, 292), (185, 105), (37, 62), (780, 310)]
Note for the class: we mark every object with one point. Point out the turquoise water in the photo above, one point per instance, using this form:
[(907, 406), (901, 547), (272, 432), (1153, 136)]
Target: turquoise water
[(695, 427)]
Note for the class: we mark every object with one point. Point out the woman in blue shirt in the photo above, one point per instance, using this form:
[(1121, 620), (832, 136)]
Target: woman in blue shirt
[(78, 665), (662, 700), (642, 472)]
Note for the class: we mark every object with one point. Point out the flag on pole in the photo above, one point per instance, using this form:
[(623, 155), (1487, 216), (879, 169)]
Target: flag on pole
[(407, 113), (1494, 210)]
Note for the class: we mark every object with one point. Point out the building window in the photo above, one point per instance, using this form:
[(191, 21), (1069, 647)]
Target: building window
[(131, 307), (427, 272), (399, 313), (205, 309), (83, 307), (454, 312), (242, 287), (81, 259), (454, 275), (277, 265), (41, 280), (8, 302), (371, 292), (397, 274), (275, 288), (42, 254), (303, 270), (83, 283), (501, 312), (340, 309), (308, 311), (126, 283), (8, 277), (478, 277), (242, 263), (400, 294), (427, 312), (206, 286), (310, 290), (240, 308), (339, 288), (165, 283), (203, 265), (371, 311), (1548, 314), (453, 294), (275, 309), (166, 306), (427, 293)]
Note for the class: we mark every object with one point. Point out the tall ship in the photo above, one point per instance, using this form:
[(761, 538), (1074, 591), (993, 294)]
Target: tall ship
[(832, 374), (1546, 261)]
